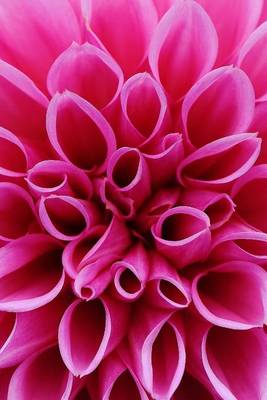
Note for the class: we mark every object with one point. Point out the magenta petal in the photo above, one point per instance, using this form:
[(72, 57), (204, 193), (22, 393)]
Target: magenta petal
[(218, 295), (5, 376), (44, 29), (176, 58), (259, 124), (128, 38), (87, 71), (41, 376), (163, 6), (231, 111), (68, 117), (31, 273), (191, 388), (253, 212), (131, 273), (234, 20), (17, 211), (220, 162), (13, 158), (104, 323), (182, 235)]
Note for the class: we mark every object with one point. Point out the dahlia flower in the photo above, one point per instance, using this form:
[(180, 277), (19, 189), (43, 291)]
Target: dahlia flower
[(133, 198)]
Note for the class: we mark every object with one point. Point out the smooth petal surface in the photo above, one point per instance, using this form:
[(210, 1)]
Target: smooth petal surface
[(176, 58), (231, 111), (259, 125), (13, 157)]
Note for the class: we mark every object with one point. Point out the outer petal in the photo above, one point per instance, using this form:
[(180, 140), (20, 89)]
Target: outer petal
[(182, 235), (259, 124), (183, 48), (220, 162), (44, 29), (103, 323), (31, 273), (41, 376), (68, 117), (234, 20), (87, 71), (127, 37), (218, 105), (163, 6)]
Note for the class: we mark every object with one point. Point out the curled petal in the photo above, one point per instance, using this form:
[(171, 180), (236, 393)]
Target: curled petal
[(41, 376), (234, 20), (31, 273), (128, 172), (13, 156), (144, 110), (182, 235), (218, 295), (131, 273), (60, 178), (259, 125), (253, 212), (231, 112), (164, 161), (220, 162), (104, 324), (191, 388), (255, 49), (100, 242), (17, 211), (26, 333), (158, 352), (87, 71), (165, 288), (128, 40), (70, 117), (176, 58), (65, 217), (44, 28), (218, 206)]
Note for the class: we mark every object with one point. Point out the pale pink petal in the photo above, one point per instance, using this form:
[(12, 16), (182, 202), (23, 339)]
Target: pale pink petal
[(182, 235), (234, 20), (71, 117), (104, 322), (183, 48), (39, 32), (87, 71), (17, 211), (220, 162), (127, 39), (253, 185), (31, 272), (41, 376), (210, 112), (218, 206), (218, 295)]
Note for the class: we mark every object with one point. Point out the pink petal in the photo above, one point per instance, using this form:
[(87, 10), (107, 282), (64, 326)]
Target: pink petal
[(234, 20), (231, 112), (17, 211), (41, 376), (127, 39), (31, 273), (218, 206), (87, 71), (176, 58), (218, 295), (104, 323), (255, 49), (182, 235), (158, 353), (39, 32), (67, 218), (58, 177), (259, 124), (5, 377), (191, 388), (94, 139), (144, 110), (131, 273), (252, 186), (220, 162), (165, 289), (13, 157), (128, 172), (26, 333), (163, 6)]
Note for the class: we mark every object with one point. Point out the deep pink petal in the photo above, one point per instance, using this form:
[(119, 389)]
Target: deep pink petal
[(259, 124)]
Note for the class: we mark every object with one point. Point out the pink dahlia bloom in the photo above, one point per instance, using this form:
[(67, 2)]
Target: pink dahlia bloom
[(133, 200)]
